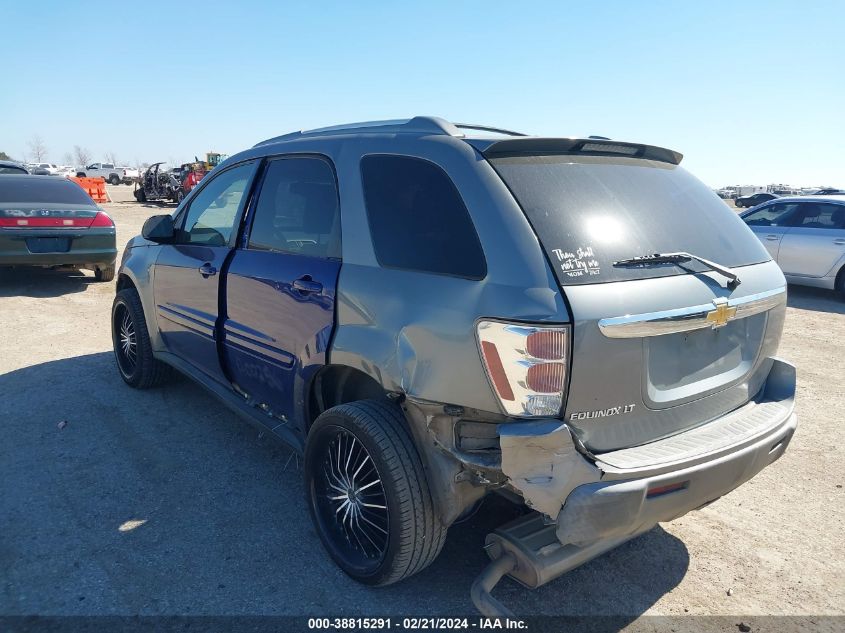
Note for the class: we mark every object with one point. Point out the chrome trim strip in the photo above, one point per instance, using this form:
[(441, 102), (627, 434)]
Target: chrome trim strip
[(689, 318)]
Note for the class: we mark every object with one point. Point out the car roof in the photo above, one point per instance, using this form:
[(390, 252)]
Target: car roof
[(832, 198), (490, 141)]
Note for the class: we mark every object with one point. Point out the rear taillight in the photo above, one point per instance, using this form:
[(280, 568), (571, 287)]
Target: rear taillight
[(527, 366), (102, 219)]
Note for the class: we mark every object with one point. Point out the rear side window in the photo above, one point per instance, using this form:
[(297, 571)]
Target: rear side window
[(417, 218), (817, 215), (297, 210)]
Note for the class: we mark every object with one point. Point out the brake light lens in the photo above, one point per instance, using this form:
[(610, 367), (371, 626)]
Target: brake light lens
[(527, 366), (102, 220)]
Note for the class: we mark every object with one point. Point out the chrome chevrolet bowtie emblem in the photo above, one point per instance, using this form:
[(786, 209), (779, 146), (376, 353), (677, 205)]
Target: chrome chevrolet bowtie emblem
[(722, 314)]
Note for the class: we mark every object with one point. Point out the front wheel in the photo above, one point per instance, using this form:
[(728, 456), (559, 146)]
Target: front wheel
[(132, 348), (140, 196), (840, 286), (368, 495), (114, 179)]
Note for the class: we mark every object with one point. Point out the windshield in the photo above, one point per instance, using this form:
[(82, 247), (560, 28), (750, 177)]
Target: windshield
[(590, 212)]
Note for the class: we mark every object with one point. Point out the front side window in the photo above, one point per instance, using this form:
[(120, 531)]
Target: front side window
[(417, 218), (211, 217), (297, 210), (771, 215)]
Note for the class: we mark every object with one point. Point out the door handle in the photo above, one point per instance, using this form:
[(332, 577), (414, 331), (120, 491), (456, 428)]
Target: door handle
[(207, 270), (306, 284), (839, 241), (773, 238)]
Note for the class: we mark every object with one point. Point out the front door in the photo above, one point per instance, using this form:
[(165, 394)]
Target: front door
[(816, 242), (187, 273), (280, 286), (770, 223)]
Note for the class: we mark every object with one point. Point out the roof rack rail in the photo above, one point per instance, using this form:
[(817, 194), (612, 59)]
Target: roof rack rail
[(487, 128), (418, 125)]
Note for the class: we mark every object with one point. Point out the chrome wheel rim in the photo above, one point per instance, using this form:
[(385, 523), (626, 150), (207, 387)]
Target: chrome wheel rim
[(351, 501), (126, 341)]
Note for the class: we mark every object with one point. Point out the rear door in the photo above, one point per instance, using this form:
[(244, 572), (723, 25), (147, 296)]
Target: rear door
[(187, 274), (816, 241), (770, 223), (280, 285)]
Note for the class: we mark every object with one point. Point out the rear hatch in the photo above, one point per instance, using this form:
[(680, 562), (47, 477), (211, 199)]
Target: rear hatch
[(657, 349)]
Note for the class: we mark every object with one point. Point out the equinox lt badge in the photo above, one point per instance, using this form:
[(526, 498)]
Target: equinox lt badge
[(601, 413)]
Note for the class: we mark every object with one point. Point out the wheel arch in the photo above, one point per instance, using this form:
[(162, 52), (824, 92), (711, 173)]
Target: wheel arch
[(839, 281), (335, 384)]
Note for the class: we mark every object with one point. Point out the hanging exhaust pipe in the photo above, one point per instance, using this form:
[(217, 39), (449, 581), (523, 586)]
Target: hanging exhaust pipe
[(528, 549), (481, 589)]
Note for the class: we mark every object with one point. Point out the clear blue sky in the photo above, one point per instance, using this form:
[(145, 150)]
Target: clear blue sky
[(750, 92)]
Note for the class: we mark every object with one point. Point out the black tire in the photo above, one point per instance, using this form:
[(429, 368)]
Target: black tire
[(737, 204), (840, 286), (140, 196), (104, 274), (411, 535), (180, 195), (140, 370), (114, 179), (80, 174)]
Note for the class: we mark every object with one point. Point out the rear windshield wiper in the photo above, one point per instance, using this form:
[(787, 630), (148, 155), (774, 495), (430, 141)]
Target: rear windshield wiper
[(680, 258)]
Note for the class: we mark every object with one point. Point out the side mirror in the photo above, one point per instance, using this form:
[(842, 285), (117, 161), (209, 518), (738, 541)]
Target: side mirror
[(158, 228)]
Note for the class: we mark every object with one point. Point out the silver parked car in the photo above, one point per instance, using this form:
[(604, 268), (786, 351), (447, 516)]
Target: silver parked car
[(806, 237)]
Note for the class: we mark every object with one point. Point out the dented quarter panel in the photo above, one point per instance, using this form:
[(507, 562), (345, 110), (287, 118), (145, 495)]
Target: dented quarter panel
[(414, 332)]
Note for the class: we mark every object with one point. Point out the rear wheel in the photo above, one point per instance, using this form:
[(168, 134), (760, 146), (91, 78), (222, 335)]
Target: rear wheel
[(114, 179), (132, 348), (104, 274), (840, 285), (368, 495), (140, 196)]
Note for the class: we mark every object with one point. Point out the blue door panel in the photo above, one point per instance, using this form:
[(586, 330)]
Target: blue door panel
[(275, 335), (187, 303)]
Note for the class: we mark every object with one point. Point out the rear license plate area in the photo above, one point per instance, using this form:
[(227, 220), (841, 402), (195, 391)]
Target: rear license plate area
[(48, 244)]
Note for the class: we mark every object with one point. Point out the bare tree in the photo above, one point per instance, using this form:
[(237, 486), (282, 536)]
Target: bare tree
[(67, 158), (83, 155), (111, 157), (37, 149)]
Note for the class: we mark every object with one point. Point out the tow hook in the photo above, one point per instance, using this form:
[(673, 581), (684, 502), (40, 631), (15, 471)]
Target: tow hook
[(481, 589)]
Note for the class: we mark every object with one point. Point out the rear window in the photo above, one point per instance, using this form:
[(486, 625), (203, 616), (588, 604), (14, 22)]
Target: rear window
[(34, 189), (417, 218), (590, 212)]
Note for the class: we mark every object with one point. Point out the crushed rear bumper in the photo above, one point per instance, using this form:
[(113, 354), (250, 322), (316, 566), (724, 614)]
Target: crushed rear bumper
[(589, 504), (616, 495)]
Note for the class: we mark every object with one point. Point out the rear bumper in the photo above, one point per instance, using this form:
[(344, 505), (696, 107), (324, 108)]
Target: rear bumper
[(594, 503), (95, 246), (616, 509), (616, 495)]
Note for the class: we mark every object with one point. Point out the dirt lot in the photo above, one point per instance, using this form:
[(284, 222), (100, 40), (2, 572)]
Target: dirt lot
[(225, 529)]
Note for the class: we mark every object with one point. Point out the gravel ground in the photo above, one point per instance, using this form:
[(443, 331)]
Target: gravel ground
[(163, 502)]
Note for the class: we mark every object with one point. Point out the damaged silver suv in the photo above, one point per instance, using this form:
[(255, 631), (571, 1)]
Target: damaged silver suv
[(434, 312)]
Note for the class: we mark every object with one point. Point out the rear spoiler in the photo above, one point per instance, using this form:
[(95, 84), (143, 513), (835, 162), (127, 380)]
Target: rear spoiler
[(534, 146)]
